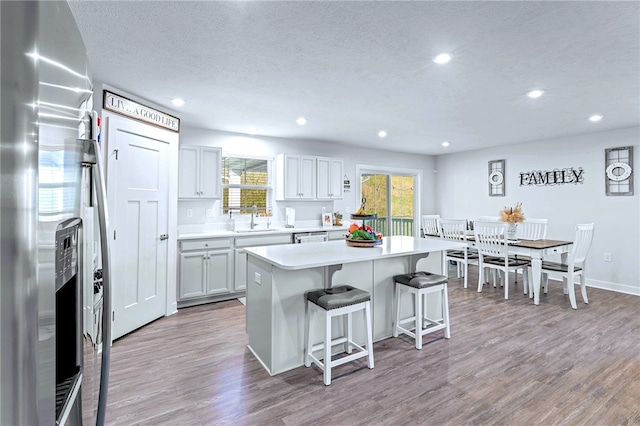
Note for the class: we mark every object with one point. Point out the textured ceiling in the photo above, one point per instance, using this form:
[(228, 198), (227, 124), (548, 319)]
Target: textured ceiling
[(354, 68)]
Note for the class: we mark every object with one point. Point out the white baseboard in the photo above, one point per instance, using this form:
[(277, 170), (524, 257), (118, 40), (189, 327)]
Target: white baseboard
[(605, 285), (620, 288)]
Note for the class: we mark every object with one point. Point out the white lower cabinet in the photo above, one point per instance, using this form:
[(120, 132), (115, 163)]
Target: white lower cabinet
[(215, 269), (205, 269)]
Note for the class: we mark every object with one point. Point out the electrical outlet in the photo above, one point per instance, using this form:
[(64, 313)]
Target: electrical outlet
[(189, 212), (257, 278), (607, 257)]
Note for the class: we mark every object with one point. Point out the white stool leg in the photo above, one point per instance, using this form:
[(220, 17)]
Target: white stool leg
[(418, 330), (445, 312), (327, 349), (369, 326), (349, 334), (307, 334), (397, 313)]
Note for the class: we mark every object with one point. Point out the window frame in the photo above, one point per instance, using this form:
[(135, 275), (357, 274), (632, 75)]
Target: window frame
[(268, 187)]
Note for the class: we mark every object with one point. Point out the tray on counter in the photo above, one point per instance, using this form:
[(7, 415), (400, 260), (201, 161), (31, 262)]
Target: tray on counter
[(363, 216), (362, 243)]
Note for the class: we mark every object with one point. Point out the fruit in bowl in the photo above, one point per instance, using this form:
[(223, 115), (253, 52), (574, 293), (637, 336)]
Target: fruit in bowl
[(363, 233)]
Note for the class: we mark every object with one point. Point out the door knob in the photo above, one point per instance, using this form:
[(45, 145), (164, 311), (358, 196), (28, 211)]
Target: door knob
[(164, 237)]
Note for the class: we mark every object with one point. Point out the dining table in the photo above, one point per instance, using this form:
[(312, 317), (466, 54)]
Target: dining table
[(537, 250)]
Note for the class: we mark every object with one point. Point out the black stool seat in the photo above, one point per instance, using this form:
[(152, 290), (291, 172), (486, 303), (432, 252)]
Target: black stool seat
[(337, 297), (420, 279)]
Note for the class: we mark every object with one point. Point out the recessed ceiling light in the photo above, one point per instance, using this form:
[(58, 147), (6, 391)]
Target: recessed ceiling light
[(382, 134), (595, 117), (253, 130), (177, 102), (301, 121), (535, 94), (442, 58), (445, 143)]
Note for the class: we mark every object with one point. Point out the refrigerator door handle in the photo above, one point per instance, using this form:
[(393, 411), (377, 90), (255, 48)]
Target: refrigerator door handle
[(103, 220)]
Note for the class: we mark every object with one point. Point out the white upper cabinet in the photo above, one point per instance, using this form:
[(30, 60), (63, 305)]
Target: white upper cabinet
[(199, 172), (329, 178), (295, 177)]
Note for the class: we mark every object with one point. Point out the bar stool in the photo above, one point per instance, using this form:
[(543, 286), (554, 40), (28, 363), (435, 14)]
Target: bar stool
[(420, 284), (333, 302)]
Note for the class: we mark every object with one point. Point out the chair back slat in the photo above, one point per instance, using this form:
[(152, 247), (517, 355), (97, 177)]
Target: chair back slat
[(491, 238), (489, 218), (431, 224), (581, 243), (453, 229), (532, 229)]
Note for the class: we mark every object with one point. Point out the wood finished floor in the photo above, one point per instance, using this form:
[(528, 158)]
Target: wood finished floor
[(508, 362)]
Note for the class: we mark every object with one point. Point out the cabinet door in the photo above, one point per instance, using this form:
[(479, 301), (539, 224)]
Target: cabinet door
[(192, 275), (291, 177), (329, 178), (240, 276), (324, 178), (188, 173), (337, 171), (219, 271), (307, 177), (210, 165)]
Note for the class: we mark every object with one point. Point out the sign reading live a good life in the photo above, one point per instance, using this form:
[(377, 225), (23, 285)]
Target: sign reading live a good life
[(552, 177), (124, 106)]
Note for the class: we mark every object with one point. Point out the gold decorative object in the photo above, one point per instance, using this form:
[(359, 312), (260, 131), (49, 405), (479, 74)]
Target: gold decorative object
[(512, 214)]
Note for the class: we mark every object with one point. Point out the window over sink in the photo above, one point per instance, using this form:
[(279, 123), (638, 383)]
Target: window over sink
[(246, 181)]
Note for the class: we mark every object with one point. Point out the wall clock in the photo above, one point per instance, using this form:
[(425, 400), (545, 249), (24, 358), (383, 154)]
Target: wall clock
[(618, 172), (496, 178)]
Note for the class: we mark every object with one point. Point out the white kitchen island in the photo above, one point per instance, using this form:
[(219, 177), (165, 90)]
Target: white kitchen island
[(278, 277)]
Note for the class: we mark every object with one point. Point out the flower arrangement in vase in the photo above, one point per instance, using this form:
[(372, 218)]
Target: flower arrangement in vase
[(512, 216)]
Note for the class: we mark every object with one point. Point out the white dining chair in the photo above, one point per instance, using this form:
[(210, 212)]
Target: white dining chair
[(489, 218), (530, 229), (576, 262), (431, 224), (455, 230), (493, 252)]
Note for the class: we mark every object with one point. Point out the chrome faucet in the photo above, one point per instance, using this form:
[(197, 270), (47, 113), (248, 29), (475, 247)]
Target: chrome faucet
[(254, 212)]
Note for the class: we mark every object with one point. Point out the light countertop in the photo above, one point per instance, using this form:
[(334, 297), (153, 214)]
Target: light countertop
[(311, 255), (255, 232)]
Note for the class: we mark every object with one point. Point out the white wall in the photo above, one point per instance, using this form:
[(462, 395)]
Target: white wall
[(305, 210), (462, 192)]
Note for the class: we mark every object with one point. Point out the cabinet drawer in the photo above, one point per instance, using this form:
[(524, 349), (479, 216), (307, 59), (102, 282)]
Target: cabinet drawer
[(218, 243), (263, 240)]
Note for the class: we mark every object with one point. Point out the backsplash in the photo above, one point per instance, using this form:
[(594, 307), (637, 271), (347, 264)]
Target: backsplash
[(198, 213)]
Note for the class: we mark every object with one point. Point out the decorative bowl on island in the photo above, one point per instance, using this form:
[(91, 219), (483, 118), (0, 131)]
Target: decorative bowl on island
[(363, 236)]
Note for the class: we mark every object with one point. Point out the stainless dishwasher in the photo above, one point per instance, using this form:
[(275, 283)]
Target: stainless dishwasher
[(309, 237)]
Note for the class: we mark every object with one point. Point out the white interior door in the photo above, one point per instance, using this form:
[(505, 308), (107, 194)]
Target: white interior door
[(140, 201)]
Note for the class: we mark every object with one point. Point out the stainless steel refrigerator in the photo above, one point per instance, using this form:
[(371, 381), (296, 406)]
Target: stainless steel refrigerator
[(54, 368)]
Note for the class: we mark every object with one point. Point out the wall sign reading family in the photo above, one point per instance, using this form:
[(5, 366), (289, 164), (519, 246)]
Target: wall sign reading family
[(124, 106), (552, 177)]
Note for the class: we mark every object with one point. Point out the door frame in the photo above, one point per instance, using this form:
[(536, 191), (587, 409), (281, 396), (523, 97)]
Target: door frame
[(109, 152), (417, 193)]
